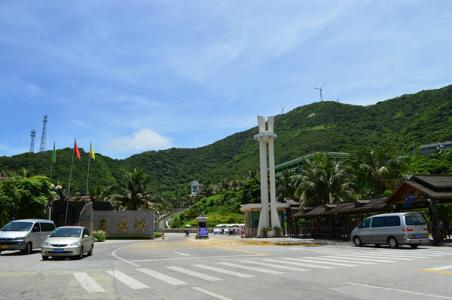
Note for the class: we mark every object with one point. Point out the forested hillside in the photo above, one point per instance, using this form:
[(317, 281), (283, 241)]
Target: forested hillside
[(399, 123)]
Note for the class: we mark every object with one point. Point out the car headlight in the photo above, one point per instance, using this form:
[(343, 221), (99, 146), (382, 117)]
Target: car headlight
[(45, 244), (74, 244)]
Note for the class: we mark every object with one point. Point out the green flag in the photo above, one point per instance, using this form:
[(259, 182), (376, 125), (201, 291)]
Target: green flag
[(54, 153)]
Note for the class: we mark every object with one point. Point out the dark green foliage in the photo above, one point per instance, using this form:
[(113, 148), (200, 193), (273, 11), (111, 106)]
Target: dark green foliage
[(323, 180), (220, 208), (24, 197), (439, 163), (378, 172)]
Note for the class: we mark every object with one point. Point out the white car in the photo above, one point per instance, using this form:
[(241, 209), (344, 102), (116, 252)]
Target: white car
[(73, 241), (219, 229)]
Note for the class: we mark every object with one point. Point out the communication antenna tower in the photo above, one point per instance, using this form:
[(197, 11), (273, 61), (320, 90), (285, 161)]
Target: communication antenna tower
[(320, 89), (32, 143), (42, 148)]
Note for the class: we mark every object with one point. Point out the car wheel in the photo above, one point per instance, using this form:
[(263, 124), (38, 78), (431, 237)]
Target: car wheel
[(28, 248), (414, 246), (81, 253), (91, 251), (393, 243), (357, 241), (45, 257)]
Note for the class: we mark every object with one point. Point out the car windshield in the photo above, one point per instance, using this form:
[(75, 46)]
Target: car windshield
[(416, 219), (66, 232), (18, 226)]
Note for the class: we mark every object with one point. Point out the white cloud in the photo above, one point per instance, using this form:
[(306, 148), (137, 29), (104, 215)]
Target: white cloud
[(141, 140)]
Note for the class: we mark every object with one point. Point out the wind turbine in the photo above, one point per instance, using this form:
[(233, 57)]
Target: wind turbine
[(321, 90)]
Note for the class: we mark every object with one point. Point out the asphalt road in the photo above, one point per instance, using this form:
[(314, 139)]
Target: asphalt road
[(181, 268)]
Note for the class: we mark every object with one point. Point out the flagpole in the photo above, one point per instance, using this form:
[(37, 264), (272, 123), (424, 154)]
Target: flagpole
[(87, 175), (69, 185), (51, 165)]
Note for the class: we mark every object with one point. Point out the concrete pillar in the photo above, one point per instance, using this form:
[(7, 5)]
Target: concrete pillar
[(266, 138), (273, 211), (263, 218)]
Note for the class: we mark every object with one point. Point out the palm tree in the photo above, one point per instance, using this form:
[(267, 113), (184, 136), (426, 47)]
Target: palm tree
[(377, 172), (102, 194), (133, 195), (285, 185), (323, 181)]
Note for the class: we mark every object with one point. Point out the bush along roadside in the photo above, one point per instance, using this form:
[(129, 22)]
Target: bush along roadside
[(99, 236)]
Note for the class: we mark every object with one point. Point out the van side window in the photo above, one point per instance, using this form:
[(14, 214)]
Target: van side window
[(378, 222), (392, 221), (36, 228), (365, 223)]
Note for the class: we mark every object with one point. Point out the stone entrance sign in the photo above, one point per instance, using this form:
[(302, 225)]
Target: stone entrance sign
[(118, 223)]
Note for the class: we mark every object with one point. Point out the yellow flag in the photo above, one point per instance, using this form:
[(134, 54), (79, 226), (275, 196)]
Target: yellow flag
[(91, 152)]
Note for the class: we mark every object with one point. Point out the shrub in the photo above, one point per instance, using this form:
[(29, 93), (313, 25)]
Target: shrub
[(278, 231), (100, 235), (157, 235), (265, 231)]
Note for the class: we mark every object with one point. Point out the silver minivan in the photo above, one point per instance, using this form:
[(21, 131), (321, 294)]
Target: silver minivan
[(25, 235), (392, 229)]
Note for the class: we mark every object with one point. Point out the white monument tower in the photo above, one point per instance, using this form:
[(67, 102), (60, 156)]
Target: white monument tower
[(269, 216)]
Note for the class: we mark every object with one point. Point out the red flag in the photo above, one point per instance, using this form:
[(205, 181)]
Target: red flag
[(76, 151)]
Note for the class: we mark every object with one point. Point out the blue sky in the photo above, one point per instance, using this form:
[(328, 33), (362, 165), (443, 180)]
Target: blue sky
[(131, 76)]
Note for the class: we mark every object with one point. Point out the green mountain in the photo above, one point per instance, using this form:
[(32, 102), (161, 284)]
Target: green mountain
[(401, 123)]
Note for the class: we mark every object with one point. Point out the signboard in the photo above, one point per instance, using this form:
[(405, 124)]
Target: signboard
[(410, 199), (203, 232)]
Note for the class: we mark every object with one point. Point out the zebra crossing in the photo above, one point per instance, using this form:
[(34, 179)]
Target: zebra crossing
[(252, 268)]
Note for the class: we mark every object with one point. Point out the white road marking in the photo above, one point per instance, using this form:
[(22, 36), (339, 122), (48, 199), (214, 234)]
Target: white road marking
[(274, 266), (210, 293), (376, 256), (197, 257), (162, 277), (440, 268), (127, 280), (297, 263), (364, 259), (89, 284), (193, 273), (414, 255), (349, 260), (255, 269), (223, 271), (122, 259), (398, 290), (181, 253), (400, 255), (316, 261)]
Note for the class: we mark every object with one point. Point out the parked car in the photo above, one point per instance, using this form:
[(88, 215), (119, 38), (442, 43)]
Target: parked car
[(219, 229), (72, 241), (392, 229), (25, 235)]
